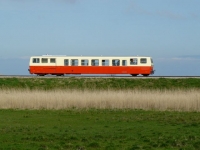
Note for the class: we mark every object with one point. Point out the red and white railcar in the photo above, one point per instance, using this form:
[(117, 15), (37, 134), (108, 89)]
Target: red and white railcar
[(61, 65)]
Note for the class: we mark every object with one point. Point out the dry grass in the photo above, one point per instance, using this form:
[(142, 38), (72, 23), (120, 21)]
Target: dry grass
[(178, 100)]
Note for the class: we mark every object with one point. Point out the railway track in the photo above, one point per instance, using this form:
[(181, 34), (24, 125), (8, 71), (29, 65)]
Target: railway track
[(93, 76)]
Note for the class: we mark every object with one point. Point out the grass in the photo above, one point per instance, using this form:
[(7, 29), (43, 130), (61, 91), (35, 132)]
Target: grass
[(99, 129), (98, 83), (174, 100), (80, 113)]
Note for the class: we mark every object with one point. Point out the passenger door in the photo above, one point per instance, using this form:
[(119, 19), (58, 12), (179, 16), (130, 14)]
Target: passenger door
[(53, 63)]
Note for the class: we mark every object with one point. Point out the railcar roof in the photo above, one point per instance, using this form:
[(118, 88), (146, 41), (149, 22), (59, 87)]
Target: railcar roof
[(82, 56)]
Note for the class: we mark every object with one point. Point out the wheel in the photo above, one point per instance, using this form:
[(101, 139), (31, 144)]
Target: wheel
[(134, 75), (41, 74), (60, 75), (145, 75)]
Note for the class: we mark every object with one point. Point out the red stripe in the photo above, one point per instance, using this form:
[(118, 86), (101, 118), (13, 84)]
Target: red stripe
[(90, 69)]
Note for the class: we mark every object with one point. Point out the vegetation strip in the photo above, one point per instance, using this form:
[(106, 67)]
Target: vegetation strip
[(98, 83), (173, 100)]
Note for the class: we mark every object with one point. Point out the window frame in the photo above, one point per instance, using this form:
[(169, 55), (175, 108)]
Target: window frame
[(115, 62), (66, 62), (37, 60), (94, 62), (44, 60), (106, 62), (53, 59), (124, 62), (141, 61), (76, 62), (133, 61), (84, 62)]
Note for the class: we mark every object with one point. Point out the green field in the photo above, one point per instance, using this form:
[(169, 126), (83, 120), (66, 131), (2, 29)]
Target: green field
[(98, 83), (85, 129), (98, 129)]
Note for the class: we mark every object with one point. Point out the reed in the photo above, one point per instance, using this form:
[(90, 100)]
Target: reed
[(174, 100)]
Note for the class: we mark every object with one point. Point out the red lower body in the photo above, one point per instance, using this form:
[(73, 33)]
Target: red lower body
[(58, 70)]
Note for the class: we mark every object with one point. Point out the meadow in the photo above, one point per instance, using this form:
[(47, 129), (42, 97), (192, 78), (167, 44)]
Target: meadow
[(77, 113), (99, 129)]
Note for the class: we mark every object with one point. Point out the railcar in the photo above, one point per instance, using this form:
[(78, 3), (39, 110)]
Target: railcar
[(65, 65)]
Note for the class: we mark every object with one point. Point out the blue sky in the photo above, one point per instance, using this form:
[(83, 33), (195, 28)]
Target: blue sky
[(166, 30)]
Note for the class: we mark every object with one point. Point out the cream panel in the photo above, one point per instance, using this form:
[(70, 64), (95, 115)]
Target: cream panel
[(60, 60)]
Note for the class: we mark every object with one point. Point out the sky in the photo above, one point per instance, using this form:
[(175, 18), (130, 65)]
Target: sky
[(166, 30)]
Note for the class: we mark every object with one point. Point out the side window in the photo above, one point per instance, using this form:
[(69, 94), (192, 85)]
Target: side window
[(105, 62), (52, 60), (84, 62), (95, 62), (44, 60), (143, 60), (66, 62), (36, 60), (133, 61), (115, 62), (74, 62), (124, 62)]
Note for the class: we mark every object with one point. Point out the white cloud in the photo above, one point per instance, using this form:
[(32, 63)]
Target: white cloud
[(170, 14), (135, 8), (20, 57), (67, 1), (17, 5), (181, 58)]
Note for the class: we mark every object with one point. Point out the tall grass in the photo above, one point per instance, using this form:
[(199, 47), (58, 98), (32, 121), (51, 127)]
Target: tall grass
[(179, 100)]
